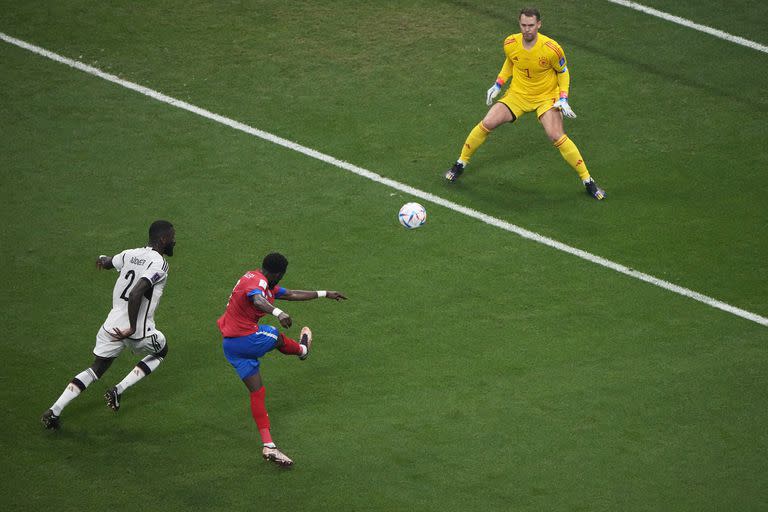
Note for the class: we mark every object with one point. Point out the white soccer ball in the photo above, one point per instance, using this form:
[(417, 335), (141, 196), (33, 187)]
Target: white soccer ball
[(412, 215)]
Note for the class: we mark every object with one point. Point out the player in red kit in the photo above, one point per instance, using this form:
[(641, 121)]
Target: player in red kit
[(245, 341)]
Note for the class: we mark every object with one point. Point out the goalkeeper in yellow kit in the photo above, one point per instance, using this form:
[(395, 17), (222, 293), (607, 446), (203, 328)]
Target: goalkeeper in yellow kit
[(540, 81)]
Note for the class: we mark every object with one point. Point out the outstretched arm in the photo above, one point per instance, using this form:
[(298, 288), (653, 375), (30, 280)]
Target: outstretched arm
[(309, 295)]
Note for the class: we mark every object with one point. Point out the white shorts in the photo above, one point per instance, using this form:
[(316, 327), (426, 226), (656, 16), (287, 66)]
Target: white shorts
[(107, 346)]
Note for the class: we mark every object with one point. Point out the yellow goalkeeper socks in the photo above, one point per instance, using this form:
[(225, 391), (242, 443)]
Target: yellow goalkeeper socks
[(475, 139), (571, 155)]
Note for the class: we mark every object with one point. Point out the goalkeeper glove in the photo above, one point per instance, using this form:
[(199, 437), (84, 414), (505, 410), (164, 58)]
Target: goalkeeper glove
[(493, 92), (563, 106)]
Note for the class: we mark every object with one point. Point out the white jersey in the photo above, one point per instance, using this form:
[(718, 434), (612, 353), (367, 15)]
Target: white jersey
[(133, 265)]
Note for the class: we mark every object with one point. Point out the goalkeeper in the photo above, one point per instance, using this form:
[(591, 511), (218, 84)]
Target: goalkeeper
[(540, 80)]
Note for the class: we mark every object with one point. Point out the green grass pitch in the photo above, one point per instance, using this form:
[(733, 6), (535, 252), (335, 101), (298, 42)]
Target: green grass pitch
[(471, 369)]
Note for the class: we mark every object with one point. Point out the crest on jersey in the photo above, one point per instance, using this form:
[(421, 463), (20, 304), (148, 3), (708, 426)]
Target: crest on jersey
[(543, 62)]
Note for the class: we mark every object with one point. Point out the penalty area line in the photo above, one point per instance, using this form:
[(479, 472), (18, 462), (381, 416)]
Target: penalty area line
[(426, 196)]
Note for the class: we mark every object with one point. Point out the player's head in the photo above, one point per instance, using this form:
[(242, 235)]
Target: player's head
[(274, 267), (530, 22), (162, 237)]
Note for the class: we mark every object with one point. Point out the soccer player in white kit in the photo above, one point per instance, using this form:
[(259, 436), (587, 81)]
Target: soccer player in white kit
[(130, 323)]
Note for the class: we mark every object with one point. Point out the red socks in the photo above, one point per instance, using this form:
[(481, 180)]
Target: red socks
[(258, 409), (259, 412), (289, 346)]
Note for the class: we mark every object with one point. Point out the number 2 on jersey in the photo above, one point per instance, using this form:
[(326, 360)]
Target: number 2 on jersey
[(129, 275)]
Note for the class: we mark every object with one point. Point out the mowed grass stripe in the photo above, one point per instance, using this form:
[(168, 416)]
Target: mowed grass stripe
[(426, 196), (691, 24)]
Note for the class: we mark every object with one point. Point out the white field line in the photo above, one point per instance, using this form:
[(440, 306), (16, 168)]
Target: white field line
[(690, 24), (426, 196)]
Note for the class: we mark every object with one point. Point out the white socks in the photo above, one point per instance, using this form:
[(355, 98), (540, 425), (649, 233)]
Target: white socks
[(141, 370), (85, 378), (81, 381)]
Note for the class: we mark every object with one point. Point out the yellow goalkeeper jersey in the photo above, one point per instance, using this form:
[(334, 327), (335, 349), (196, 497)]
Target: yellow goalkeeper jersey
[(538, 73)]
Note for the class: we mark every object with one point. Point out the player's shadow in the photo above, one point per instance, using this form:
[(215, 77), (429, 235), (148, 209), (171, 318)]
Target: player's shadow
[(504, 193), (621, 58)]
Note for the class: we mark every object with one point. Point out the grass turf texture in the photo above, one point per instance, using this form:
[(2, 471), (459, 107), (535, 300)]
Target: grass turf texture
[(470, 368)]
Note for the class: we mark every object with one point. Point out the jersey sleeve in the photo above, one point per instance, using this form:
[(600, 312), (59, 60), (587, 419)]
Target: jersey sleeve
[(155, 271), (506, 69), (505, 73), (560, 65), (257, 288), (557, 57), (118, 260), (279, 291)]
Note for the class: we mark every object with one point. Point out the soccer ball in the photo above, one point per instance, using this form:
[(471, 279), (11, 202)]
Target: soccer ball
[(412, 215)]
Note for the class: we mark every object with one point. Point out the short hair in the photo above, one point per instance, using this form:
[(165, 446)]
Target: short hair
[(275, 263), (530, 11), (158, 229)]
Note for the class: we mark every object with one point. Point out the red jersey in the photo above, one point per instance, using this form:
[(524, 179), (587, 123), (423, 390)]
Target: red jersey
[(241, 316)]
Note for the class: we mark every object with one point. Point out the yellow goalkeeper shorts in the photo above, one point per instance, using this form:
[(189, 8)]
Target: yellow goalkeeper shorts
[(519, 106)]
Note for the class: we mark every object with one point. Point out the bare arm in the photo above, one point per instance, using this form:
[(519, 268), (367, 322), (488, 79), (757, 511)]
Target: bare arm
[(309, 295)]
